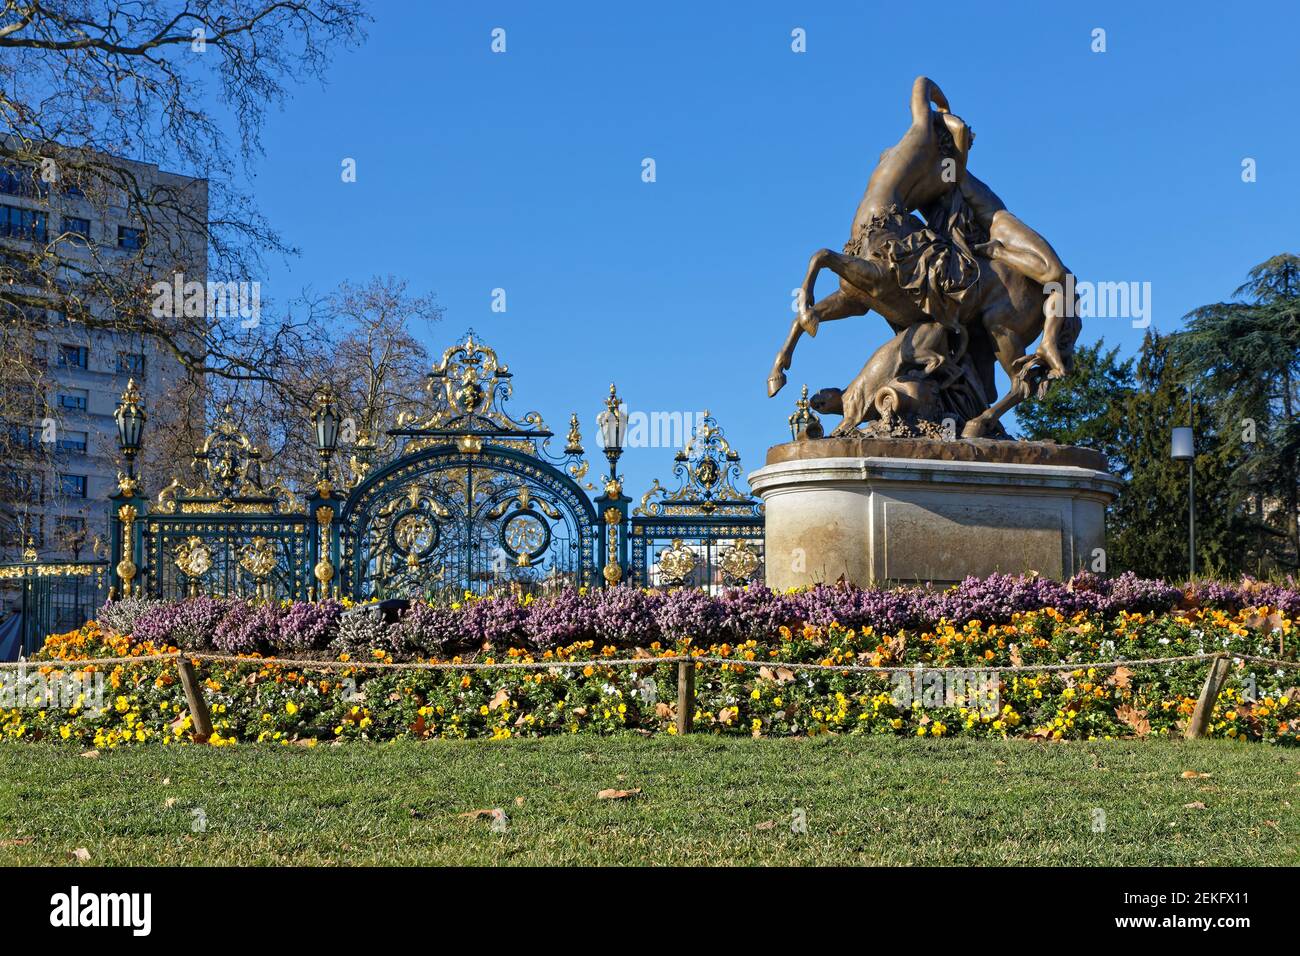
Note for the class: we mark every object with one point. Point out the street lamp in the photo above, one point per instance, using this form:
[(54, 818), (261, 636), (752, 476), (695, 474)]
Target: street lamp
[(130, 418), (326, 419), (613, 430), (1183, 448)]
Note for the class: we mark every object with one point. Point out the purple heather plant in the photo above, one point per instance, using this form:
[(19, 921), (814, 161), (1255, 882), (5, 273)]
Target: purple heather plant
[(194, 625), (561, 619), (754, 611), (248, 628), (120, 616), (308, 626), (689, 613), (1248, 593), (625, 616), (496, 620)]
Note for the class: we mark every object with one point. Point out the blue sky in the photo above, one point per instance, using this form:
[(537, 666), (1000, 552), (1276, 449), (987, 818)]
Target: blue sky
[(522, 171)]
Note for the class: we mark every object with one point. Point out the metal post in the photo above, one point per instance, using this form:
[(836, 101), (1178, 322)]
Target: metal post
[(1191, 520)]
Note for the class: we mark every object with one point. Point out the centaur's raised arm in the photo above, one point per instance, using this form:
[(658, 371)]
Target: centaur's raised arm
[(924, 92)]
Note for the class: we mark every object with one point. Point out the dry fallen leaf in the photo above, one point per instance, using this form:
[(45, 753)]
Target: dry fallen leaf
[(169, 803), (80, 854), (1193, 774), (1016, 659), (519, 801), (1134, 718), (766, 825), (480, 814), (1120, 678), (91, 753), (20, 841), (1197, 805), (727, 715), (617, 794), (663, 710), (499, 698)]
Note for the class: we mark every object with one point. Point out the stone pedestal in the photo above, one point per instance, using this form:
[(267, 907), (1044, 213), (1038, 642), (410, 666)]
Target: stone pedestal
[(918, 510)]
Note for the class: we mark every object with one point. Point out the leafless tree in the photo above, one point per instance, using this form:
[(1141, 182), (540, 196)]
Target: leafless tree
[(96, 96), (362, 340)]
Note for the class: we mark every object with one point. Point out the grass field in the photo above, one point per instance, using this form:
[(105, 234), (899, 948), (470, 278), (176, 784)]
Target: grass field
[(703, 801)]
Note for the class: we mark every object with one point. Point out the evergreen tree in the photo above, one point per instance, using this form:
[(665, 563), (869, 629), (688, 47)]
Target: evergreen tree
[(1148, 527), (1082, 409), (1127, 410), (1243, 357)]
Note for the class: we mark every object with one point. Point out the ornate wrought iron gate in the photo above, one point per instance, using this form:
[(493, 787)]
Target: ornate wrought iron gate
[(461, 496), (470, 498), (706, 532)]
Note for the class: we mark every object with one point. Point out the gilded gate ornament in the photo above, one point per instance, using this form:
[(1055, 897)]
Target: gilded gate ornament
[(739, 562), (324, 570), (194, 559), (707, 469), (258, 559), (126, 569), (705, 509), (676, 563), (613, 572)]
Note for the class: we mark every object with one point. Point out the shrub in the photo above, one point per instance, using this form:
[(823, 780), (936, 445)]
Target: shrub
[(120, 616)]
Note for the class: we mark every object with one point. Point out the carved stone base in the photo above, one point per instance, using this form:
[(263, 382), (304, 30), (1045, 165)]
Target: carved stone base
[(875, 510)]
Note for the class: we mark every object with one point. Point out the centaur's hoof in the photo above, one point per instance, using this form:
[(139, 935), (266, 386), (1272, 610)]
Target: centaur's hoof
[(974, 429), (808, 321), (775, 382)]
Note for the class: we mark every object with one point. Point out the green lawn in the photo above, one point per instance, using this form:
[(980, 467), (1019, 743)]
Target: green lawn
[(703, 801)]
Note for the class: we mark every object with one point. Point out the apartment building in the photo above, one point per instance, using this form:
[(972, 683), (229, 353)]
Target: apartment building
[(58, 486)]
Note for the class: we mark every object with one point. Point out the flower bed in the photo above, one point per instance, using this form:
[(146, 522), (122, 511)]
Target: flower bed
[(994, 622)]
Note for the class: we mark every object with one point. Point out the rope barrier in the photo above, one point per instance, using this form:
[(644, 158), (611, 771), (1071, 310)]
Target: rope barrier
[(304, 664), (85, 662)]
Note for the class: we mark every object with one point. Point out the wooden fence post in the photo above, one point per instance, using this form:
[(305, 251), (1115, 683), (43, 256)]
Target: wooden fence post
[(199, 715), (685, 696), (1200, 721)]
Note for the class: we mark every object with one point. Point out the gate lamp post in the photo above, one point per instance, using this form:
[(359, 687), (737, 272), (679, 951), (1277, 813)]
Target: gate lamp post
[(326, 419), (130, 418), (1183, 449), (613, 430)]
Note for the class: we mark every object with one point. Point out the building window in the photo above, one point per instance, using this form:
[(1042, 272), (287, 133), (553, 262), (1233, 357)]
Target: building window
[(26, 486), (70, 532), (74, 399), (22, 182), (129, 237), (130, 363), (74, 356), (29, 529), (26, 437), (72, 486), (74, 442), (16, 223), (77, 228)]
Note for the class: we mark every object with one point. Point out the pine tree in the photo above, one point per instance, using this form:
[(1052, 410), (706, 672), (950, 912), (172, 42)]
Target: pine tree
[(1244, 358), (1127, 410), (1148, 531), (1082, 409)]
